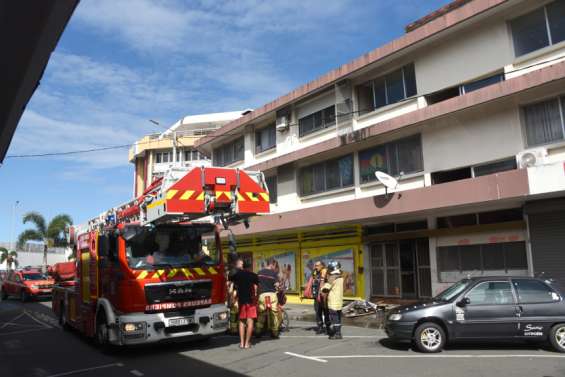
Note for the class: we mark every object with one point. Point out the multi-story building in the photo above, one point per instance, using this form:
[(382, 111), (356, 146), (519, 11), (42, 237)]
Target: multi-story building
[(155, 153), (466, 110)]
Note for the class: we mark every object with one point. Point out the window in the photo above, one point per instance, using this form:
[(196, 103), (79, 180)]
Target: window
[(544, 121), (443, 95), (402, 156), (265, 138), (272, 186), (317, 121), (491, 293), (533, 291), (483, 218), (163, 157), (543, 27), (440, 177), (193, 155), (229, 153), (478, 84), (455, 91), (326, 176), (392, 88), (495, 167), (455, 262)]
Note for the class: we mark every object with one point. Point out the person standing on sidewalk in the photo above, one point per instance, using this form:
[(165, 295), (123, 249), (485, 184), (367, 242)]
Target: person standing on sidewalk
[(319, 279), (246, 282), (232, 297), (333, 291), (268, 301)]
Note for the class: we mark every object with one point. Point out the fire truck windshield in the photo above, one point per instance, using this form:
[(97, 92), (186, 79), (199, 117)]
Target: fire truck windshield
[(172, 246)]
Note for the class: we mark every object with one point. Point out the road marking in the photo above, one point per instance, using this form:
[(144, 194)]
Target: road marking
[(322, 337), (23, 331), (78, 371), (30, 315), (10, 322), (439, 356), (312, 358), (135, 372)]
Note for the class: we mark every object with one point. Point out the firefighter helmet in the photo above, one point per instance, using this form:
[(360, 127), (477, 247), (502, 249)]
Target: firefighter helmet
[(334, 266)]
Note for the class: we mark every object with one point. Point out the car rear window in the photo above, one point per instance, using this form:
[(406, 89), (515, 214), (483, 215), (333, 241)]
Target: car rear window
[(534, 291)]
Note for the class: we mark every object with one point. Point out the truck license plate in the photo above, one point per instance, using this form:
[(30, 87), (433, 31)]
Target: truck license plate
[(181, 321)]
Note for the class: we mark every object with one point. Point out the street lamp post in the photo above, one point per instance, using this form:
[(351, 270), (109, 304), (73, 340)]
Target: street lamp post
[(12, 230)]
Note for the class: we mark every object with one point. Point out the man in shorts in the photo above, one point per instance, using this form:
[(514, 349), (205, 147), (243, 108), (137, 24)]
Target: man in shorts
[(246, 282)]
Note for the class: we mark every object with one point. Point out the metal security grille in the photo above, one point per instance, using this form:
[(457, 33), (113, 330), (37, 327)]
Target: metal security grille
[(547, 233)]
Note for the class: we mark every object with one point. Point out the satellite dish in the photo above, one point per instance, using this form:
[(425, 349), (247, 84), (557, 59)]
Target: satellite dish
[(388, 181)]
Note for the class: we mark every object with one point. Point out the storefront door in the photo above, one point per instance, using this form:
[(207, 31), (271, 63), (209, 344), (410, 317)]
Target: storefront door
[(401, 269)]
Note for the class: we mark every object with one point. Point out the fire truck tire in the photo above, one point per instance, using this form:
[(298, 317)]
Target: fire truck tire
[(101, 335), (63, 317)]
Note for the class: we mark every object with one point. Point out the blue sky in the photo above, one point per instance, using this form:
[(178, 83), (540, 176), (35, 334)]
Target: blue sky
[(122, 62)]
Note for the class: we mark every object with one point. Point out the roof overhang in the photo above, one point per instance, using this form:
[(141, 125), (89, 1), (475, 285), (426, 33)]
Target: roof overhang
[(30, 30)]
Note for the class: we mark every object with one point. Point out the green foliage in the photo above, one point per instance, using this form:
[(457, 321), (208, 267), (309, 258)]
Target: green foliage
[(52, 234)]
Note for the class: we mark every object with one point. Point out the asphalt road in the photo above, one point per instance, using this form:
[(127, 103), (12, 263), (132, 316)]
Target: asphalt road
[(32, 344)]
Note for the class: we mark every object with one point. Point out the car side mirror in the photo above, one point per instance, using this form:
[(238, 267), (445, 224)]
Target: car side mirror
[(464, 302)]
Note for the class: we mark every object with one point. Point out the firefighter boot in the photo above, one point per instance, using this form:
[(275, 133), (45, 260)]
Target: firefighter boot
[(320, 329), (337, 334), (331, 332)]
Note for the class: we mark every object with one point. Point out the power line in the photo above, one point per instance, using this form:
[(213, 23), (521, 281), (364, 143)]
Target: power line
[(237, 131)]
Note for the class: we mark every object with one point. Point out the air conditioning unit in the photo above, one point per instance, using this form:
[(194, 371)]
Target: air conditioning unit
[(531, 157), (282, 123)]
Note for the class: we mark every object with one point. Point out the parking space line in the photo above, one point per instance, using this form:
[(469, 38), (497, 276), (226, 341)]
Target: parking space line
[(322, 337), (312, 358), (78, 371), (440, 356)]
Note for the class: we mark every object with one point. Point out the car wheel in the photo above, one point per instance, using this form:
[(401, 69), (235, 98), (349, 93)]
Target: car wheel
[(4, 295), (429, 338), (24, 296), (557, 337)]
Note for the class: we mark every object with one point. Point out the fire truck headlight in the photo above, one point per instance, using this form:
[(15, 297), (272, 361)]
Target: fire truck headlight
[(133, 326), (223, 316)]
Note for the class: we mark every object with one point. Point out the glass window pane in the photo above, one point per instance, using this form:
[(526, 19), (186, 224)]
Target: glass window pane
[(346, 170), (392, 259), (472, 86), (319, 178), (543, 122), (393, 282), (410, 155), (194, 155), (516, 258), (370, 161), (533, 291), (556, 16), (365, 98), (380, 93), (307, 179), (272, 186), (332, 175), (470, 258), (318, 121), (239, 150), (495, 167), (491, 293), (410, 80), (392, 159), (493, 257), (158, 158), (448, 258), (306, 125), (329, 116), (377, 256), (529, 32), (395, 87)]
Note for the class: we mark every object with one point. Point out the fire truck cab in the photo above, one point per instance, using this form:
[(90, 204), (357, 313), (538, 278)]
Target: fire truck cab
[(153, 269)]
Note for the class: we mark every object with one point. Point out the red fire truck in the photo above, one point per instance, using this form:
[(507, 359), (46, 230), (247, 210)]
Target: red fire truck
[(153, 269)]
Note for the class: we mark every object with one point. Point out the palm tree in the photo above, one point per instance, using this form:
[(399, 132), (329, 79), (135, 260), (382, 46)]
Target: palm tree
[(52, 234), (10, 257)]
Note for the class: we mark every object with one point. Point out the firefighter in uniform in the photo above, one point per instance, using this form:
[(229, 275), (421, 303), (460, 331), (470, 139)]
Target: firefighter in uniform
[(318, 280), (232, 298), (333, 292), (268, 301)]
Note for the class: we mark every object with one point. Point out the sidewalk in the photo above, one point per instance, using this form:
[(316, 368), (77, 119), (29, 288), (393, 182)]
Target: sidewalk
[(305, 313)]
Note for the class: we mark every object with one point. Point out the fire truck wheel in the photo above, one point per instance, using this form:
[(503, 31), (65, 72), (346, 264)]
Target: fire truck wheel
[(63, 317), (101, 331)]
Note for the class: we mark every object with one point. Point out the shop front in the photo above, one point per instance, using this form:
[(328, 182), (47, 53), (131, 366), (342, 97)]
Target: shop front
[(296, 252)]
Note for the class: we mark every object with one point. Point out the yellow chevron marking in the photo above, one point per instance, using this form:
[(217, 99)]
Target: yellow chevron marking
[(240, 197), (172, 273), (171, 193), (142, 275), (228, 194), (187, 194), (265, 196), (155, 204), (187, 272), (201, 196), (252, 197), (155, 275), (212, 270), (199, 271), (219, 193)]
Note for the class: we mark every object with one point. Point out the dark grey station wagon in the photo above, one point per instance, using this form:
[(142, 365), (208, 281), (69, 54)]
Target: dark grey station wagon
[(484, 308)]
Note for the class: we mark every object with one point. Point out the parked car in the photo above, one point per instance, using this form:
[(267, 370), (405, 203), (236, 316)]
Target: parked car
[(486, 309), (27, 284)]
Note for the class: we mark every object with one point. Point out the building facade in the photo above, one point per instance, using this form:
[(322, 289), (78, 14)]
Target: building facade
[(466, 110), (154, 154)]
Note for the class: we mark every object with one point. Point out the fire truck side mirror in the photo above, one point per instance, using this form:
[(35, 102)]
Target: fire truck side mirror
[(130, 231)]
